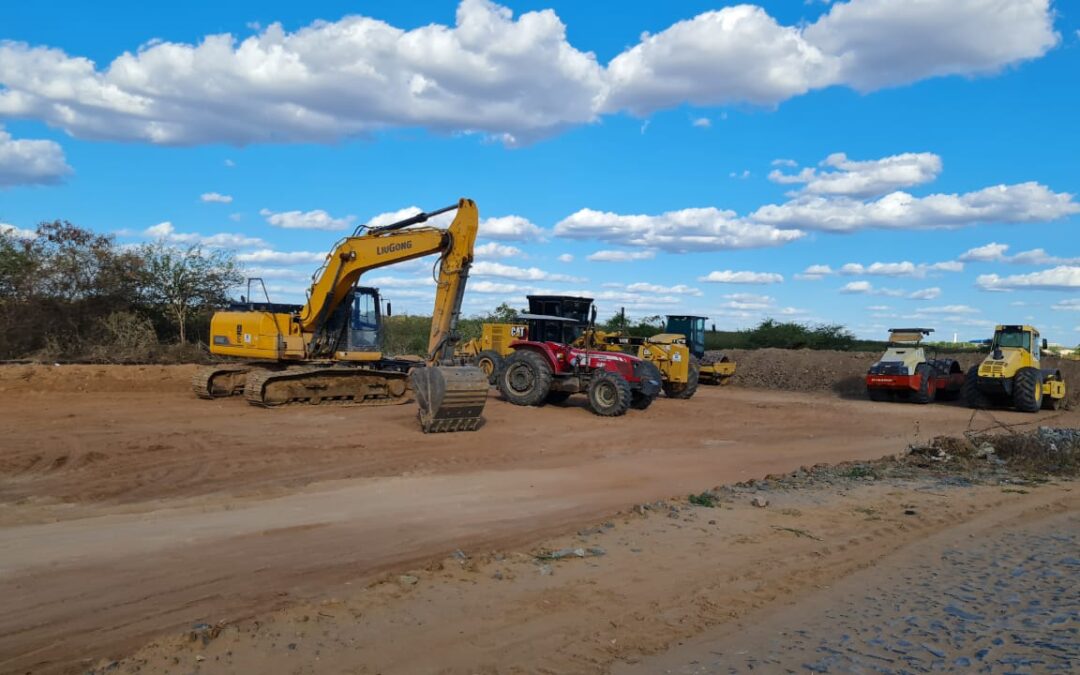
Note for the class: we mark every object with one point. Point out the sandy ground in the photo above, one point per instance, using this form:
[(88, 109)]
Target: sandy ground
[(129, 509)]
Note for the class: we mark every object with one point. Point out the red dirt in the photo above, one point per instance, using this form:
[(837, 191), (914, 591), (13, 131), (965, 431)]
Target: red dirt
[(129, 508)]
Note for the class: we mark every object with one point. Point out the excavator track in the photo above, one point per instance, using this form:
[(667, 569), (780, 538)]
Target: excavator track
[(212, 382), (326, 385)]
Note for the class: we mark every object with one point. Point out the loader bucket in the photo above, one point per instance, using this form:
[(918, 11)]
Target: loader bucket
[(451, 398)]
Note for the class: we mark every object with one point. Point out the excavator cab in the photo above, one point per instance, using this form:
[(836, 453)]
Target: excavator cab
[(365, 321)]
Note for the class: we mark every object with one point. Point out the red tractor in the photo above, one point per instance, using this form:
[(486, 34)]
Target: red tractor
[(546, 369)]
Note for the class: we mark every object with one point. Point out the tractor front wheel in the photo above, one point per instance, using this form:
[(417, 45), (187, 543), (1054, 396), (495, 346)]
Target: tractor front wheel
[(1027, 390), (525, 378), (609, 394)]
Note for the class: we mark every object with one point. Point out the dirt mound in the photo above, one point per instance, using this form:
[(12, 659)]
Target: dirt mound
[(42, 378), (842, 372)]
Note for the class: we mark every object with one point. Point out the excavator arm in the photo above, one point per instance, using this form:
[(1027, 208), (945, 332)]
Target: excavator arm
[(398, 243)]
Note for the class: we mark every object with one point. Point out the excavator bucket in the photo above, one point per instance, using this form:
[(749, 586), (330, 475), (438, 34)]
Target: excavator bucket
[(451, 398)]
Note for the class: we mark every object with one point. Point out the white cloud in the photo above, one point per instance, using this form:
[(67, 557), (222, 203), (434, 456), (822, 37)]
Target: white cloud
[(496, 250), (949, 309), (991, 252), (216, 197), (881, 43), (29, 161), (785, 162), (1064, 277), (278, 273), (864, 178), (1021, 203), (166, 231), (509, 228), (857, 287), (994, 252), (926, 294), (901, 269), (517, 79), (645, 287), (268, 256), (307, 220), (16, 232), (741, 54), (514, 79), (736, 54), (863, 287), (620, 256), (229, 163), (702, 122), (1068, 305), (1038, 256), (695, 229), (815, 273), (741, 277), (879, 308), (566, 258), (422, 281), (494, 269)]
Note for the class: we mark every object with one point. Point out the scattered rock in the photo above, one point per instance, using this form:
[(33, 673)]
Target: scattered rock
[(408, 580), (459, 555), (984, 451), (759, 502), (545, 570)]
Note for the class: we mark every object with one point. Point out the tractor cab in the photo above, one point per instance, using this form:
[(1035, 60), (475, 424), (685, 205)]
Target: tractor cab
[(557, 318), (692, 327)]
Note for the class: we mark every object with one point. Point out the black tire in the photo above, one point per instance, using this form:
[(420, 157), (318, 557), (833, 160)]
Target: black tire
[(525, 378), (609, 394), (1027, 390), (556, 397), (877, 395), (490, 362), (925, 393), (638, 399), (685, 390), (973, 396)]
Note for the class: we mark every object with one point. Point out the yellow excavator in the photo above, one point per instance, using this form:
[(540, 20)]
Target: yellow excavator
[(329, 349)]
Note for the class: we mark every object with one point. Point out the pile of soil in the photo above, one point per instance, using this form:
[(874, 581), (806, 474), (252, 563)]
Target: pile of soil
[(844, 373), (48, 378)]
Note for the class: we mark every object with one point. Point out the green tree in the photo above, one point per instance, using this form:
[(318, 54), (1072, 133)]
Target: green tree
[(183, 281)]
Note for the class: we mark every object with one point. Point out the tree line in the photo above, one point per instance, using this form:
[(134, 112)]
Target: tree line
[(69, 293)]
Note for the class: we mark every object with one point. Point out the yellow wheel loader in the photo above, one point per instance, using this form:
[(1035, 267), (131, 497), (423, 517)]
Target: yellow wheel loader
[(328, 350), (1012, 376), (487, 352)]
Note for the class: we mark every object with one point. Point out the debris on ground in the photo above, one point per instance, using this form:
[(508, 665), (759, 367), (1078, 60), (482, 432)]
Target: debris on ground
[(590, 552)]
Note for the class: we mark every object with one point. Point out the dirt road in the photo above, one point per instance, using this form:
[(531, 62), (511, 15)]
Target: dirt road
[(129, 508)]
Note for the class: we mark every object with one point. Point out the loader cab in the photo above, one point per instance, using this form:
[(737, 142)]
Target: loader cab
[(693, 327)]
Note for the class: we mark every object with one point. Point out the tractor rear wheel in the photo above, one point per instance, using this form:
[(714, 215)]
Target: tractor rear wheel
[(974, 396), (609, 394), (1027, 390), (490, 362), (525, 378), (686, 389), (926, 391)]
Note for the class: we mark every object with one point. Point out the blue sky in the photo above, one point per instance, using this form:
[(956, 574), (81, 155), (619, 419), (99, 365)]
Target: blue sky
[(868, 163)]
